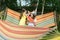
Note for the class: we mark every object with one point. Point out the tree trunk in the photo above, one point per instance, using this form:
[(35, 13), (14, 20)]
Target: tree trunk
[(43, 6)]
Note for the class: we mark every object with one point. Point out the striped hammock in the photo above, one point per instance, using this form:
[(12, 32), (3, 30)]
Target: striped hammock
[(10, 30)]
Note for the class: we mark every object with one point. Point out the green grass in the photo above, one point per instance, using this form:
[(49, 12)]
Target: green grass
[(51, 35)]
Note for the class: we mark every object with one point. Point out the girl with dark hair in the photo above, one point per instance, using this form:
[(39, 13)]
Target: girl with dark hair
[(31, 19)]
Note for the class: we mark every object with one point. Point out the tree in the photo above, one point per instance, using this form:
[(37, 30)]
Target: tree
[(43, 5), (48, 5)]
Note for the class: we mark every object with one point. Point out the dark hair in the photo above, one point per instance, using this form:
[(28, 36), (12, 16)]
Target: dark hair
[(33, 16), (23, 10)]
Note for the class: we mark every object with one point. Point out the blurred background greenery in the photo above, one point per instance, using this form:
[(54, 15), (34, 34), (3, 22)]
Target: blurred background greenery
[(49, 5), (18, 5)]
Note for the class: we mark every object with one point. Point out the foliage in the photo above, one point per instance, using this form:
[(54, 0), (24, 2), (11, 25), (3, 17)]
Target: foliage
[(50, 5), (2, 5), (52, 35)]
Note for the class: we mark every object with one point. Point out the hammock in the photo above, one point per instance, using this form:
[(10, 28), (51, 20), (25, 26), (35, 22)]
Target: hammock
[(42, 20), (10, 30)]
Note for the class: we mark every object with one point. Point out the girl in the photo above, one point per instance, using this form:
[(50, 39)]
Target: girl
[(23, 19), (30, 19)]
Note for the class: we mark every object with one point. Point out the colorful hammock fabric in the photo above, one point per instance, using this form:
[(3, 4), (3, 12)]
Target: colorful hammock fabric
[(17, 32), (45, 20), (10, 30), (13, 16)]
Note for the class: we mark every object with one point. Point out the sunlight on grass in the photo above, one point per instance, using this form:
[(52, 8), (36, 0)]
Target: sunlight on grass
[(54, 35)]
